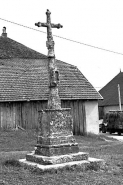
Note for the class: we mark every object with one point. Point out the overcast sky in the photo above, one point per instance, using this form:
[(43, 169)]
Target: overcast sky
[(94, 22)]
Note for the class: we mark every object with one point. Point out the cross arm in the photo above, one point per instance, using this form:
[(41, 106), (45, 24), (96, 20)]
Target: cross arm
[(56, 26), (39, 24)]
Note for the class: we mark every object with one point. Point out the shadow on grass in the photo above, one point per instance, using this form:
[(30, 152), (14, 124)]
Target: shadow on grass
[(11, 162)]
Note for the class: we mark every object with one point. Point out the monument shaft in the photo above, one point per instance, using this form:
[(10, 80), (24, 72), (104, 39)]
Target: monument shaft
[(54, 100)]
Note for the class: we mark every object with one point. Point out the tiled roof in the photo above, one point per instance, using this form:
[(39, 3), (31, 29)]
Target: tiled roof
[(27, 79), (24, 75), (110, 91), (12, 49)]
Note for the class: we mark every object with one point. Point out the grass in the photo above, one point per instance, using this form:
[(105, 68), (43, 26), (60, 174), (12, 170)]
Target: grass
[(15, 144)]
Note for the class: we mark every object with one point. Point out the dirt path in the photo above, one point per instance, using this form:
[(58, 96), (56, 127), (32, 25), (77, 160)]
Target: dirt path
[(115, 136)]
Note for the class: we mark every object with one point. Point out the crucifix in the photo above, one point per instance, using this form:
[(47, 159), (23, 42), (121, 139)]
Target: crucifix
[(56, 146), (55, 137), (54, 100)]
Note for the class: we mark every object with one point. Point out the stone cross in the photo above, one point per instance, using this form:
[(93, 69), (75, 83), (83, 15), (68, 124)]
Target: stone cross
[(54, 100), (49, 25), (56, 146)]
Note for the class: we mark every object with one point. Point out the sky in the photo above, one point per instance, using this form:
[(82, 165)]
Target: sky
[(97, 23)]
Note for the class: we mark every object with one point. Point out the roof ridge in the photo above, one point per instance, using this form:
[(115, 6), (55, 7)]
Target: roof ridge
[(111, 80), (26, 46), (10, 48), (110, 91)]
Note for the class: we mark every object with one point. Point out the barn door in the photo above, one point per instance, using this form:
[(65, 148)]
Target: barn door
[(79, 119)]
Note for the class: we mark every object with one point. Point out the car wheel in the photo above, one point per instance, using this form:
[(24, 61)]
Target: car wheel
[(119, 133), (103, 130)]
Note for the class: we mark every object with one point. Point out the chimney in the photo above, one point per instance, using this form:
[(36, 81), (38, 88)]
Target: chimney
[(4, 34)]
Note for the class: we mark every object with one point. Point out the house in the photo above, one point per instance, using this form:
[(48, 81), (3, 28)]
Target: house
[(24, 89), (110, 95)]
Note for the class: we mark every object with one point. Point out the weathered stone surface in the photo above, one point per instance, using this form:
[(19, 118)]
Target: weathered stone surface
[(56, 147), (53, 150), (56, 136), (56, 159), (55, 122), (91, 163), (54, 101), (55, 140)]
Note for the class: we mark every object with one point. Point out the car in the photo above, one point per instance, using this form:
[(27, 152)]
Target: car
[(113, 122)]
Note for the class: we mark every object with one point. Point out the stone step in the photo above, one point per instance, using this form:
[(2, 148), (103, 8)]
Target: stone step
[(55, 150), (44, 160), (91, 163)]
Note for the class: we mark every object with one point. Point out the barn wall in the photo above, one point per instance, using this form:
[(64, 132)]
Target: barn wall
[(78, 114), (92, 117), (25, 114)]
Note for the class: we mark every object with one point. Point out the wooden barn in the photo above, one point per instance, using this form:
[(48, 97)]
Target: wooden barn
[(24, 89)]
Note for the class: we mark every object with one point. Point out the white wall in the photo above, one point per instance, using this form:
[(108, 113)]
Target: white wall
[(92, 117)]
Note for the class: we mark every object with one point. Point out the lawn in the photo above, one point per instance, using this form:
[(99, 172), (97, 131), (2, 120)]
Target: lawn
[(15, 144)]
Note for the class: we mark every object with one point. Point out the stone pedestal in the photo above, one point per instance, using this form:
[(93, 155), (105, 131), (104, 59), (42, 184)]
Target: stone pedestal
[(56, 141), (56, 136), (56, 146)]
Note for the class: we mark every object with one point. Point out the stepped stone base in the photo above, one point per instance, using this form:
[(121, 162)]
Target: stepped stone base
[(91, 163), (44, 160), (54, 150), (56, 146)]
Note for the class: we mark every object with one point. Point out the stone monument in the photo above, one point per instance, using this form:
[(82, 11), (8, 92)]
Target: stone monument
[(56, 146)]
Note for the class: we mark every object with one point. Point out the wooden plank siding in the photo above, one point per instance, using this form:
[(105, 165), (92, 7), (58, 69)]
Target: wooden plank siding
[(25, 114), (78, 114)]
